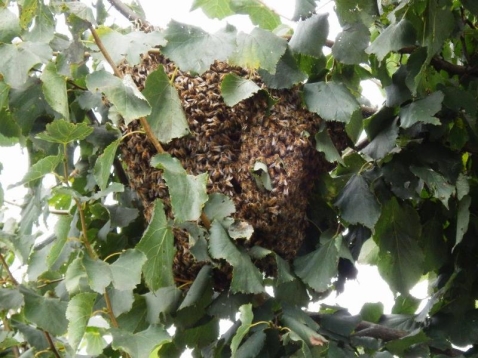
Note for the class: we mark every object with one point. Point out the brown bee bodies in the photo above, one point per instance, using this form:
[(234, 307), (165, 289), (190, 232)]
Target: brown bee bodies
[(226, 142)]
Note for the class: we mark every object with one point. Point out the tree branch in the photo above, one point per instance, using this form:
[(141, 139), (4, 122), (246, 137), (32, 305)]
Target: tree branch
[(126, 11)]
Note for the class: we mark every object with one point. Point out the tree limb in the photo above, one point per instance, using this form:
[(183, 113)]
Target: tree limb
[(126, 11)]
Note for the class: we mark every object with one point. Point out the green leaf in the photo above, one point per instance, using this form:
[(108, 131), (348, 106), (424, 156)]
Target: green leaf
[(4, 93), (246, 320), (219, 206), (332, 101), (317, 268), (324, 144), (438, 185), (47, 313), (104, 163), (157, 244), (98, 272), (357, 203), (397, 232), (240, 230), (399, 346), (62, 229), (422, 110), (128, 46), (371, 312), (235, 89), (95, 343), (299, 327), (126, 270), (463, 218), (163, 301), (10, 131), (199, 336), (287, 73), (261, 176), (124, 94), (10, 299), (141, 344), (260, 48), (193, 49), (259, 14), (76, 279), (63, 132), (214, 9), (439, 23), (121, 301), (384, 141), (471, 5), (188, 192), (78, 314), (353, 11), (246, 277), (9, 26), (18, 59), (167, 118), (350, 44), (43, 29), (310, 35), (54, 89), (303, 9), (393, 38), (41, 168), (81, 10)]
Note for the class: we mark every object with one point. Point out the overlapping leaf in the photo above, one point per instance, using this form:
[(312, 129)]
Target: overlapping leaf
[(218, 9), (393, 38), (63, 132), (139, 344), (102, 169), (235, 89), (54, 88), (41, 168), (167, 118), (422, 110), (9, 26), (259, 14), (310, 36), (78, 314), (350, 44)]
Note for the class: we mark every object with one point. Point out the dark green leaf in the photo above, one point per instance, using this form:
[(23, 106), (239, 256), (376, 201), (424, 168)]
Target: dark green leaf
[(188, 192), (471, 5), (193, 49), (324, 144), (393, 38), (383, 142), (10, 299), (47, 313), (259, 14), (124, 94), (167, 119), (305, 332), (437, 184), (422, 110), (406, 304), (399, 346), (140, 344), (350, 44), (246, 320), (357, 203), (78, 314), (252, 345), (396, 233), (259, 49), (310, 36), (246, 277), (104, 163), (235, 89), (439, 23), (215, 9), (287, 73), (63, 132), (157, 244), (319, 267), (332, 101), (163, 301), (199, 336), (353, 11)]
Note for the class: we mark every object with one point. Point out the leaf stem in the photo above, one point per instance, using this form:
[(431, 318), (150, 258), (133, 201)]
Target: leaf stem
[(65, 164), (5, 266), (84, 231), (109, 308), (51, 344)]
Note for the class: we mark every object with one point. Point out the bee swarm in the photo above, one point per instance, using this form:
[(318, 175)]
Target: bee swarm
[(226, 142)]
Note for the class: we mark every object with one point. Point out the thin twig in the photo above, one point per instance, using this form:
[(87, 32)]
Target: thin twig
[(126, 11), (109, 308), (51, 344), (105, 52), (84, 231), (9, 273)]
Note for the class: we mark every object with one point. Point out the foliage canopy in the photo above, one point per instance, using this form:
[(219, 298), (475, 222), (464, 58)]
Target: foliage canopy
[(403, 198)]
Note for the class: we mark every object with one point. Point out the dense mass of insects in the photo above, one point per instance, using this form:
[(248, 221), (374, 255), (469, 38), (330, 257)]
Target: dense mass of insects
[(226, 142)]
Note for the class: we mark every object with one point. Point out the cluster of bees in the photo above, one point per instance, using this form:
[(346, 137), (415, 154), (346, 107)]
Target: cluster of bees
[(226, 142)]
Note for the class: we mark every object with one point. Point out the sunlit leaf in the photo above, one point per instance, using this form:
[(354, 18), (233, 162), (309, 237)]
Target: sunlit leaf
[(63, 132), (54, 88), (463, 218), (62, 228), (246, 320), (259, 14), (215, 9), (167, 118), (332, 101), (9, 26), (188, 192), (157, 244), (41, 168), (139, 344), (43, 29), (195, 50), (124, 94), (260, 48), (78, 314), (235, 89), (303, 9)]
